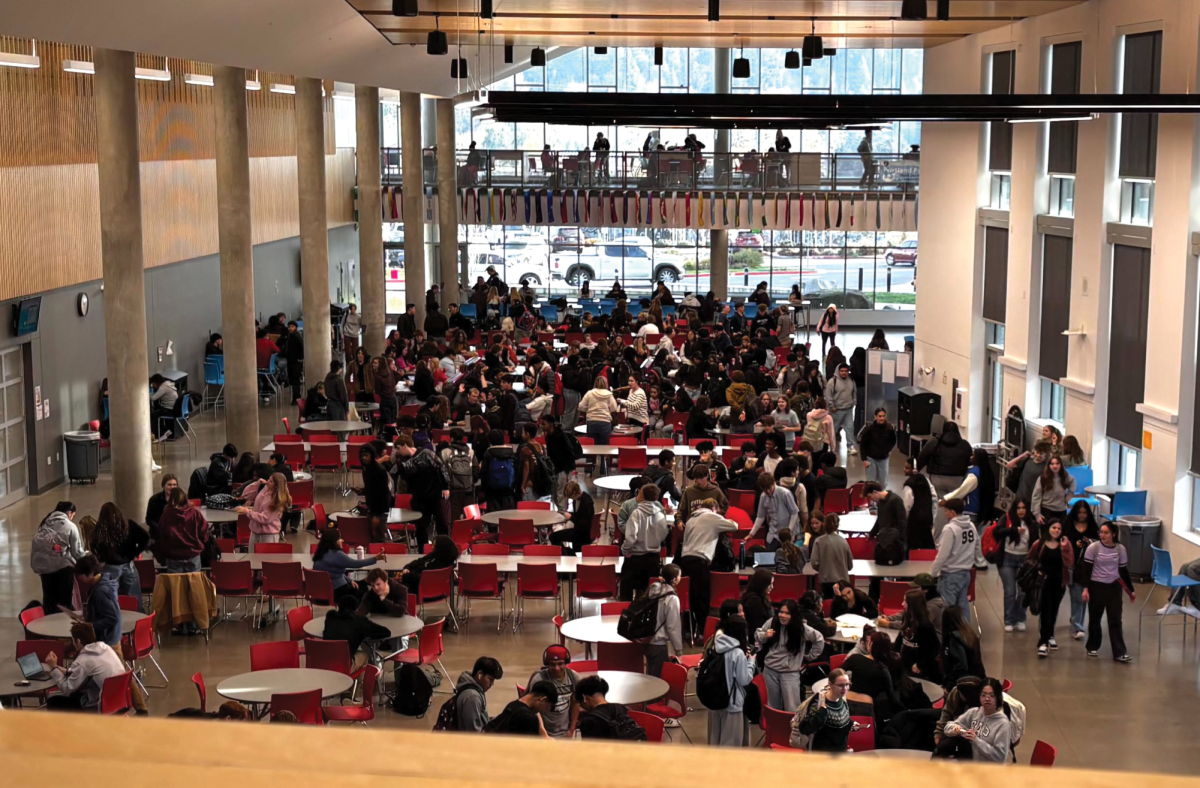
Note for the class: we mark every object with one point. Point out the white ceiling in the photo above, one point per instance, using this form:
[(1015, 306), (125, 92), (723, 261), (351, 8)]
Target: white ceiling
[(326, 39)]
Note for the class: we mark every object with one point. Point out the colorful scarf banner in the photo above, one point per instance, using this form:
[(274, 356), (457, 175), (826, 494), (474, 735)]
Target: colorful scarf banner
[(763, 206), (701, 211), (550, 206), (851, 209), (839, 219)]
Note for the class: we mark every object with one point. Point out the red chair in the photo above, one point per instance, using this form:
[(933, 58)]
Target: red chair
[(517, 533), (302, 494), (471, 512), (631, 460), (549, 550), (147, 574), (275, 548), (332, 655), (388, 548), (232, 579), (837, 502), (1005, 685), (410, 410), (692, 661), (481, 581), (613, 608), (660, 443), (858, 498), (862, 740), (403, 500), (115, 695), (534, 506), (673, 705), (652, 725), (862, 549), (742, 499), (295, 456), (534, 581), (596, 581), (320, 437), (43, 649), (305, 705), (369, 675), (318, 589), (282, 580), (722, 586), (297, 617), (325, 457), (1043, 754), (429, 650), (227, 545), (201, 690), (600, 551), (140, 645), (826, 607), (891, 597), (621, 656), (971, 601), (462, 533), (356, 531), (32, 614), (922, 555), (778, 725), (243, 531), (486, 548), (623, 440), (739, 516), (274, 655), (126, 602), (836, 660), (786, 587), (287, 437)]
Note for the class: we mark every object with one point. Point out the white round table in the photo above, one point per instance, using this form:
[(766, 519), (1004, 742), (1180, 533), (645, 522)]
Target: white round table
[(593, 629), (399, 626), (260, 685), (856, 523), (394, 516), (366, 407), (541, 518), (618, 429), (616, 483), (335, 426), (218, 515), (10, 674), (629, 688), (932, 691), (1111, 489), (301, 476), (58, 625)]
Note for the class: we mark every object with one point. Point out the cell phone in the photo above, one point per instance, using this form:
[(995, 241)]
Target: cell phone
[(862, 726), (21, 683)]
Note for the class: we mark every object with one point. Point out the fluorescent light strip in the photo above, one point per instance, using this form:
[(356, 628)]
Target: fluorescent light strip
[(279, 87), (88, 67), (19, 61), (1050, 120), (79, 66), (205, 80)]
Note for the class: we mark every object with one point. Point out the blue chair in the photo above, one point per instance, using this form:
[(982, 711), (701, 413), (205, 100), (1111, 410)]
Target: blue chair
[(181, 420), (607, 309), (219, 359), (588, 305), (1164, 575), (1125, 503), (668, 310), (550, 313), (468, 310), (1083, 480), (214, 375), (267, 377)]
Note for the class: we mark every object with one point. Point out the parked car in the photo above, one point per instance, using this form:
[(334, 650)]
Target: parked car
[(904, 254), (823, 292), (513, 268), (747, 240), (630, 259)]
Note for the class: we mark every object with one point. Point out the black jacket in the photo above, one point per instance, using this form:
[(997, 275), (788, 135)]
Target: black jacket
[(891, 529), (581, 521), (558, 447), (426, 476), (353, 628), (876, 441), (396, 603), (436, 324), (155, 507), (863, 606), (291, 346), (946, 455), (407, 325), (758, 610), (959, 660), (599, 723), (665, 480), (920, 517), (220, 476), (377, 490), (128, 549), (461, 321)]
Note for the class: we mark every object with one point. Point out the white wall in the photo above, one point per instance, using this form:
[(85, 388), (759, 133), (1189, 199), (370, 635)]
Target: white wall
[(949, 328)]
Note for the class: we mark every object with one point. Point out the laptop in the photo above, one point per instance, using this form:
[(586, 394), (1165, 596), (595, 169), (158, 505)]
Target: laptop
[(764, 559), (31, 668)]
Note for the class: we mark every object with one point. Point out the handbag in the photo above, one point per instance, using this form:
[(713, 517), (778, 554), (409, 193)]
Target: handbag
[(352, 413)]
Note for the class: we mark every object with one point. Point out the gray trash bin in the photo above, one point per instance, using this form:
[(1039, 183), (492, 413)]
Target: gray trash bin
[(83, 455), (1139, 533)]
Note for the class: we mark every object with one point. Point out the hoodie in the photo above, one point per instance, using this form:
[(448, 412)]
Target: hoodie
[(946, 455), (664, 479), (95, 663), (219, 480), (646, 529), (993, 734), (470, 703), (818, 431), (840, 394), (56, 545), (782, 660), (701, 532), (102, 610), (739, 395), (738, 670), (601, 722), (670, 631), (956, 553)]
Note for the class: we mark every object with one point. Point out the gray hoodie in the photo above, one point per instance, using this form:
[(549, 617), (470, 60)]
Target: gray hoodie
[(56, 545), (993, 734), (840, 394), (739, 671), (645, 529), (472, 703), (780, 659), (956, 548), (670, 631)]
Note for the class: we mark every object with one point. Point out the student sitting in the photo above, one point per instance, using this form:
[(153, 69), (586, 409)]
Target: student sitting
[(982, 733), (470, 694), (849, 600), (383, 597), (348, 624), (82, 682), (330, 558), (601, 719), (524, 715)]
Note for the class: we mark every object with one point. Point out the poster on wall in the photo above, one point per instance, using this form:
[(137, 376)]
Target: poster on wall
[(37, 402), (46, 408)]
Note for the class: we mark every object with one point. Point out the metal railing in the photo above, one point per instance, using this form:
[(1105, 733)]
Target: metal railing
[(669, 170)]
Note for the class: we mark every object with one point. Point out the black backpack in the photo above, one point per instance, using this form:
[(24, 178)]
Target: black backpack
[(543, 473), (712, 685), (414, 692), (626, 728), (447, 719), (639, 621), (198, 484)]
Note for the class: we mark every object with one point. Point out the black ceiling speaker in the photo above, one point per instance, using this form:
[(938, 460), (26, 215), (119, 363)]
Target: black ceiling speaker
[(404, 8), (741, 68), (508, 53), (485, 9), (791, 59), (914, 10), (830, 52), (658, 56), (813, 49), (714, 10), (537, 57), (458, 68), (943, 10), (600, 50), (807, 62), (436, 43)]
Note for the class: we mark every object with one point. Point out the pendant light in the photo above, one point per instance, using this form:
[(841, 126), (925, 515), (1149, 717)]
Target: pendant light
[(791, 59), (658, 56), (537, 57), (914, 10), (508, 53)]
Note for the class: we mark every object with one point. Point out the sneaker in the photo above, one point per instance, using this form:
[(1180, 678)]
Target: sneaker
[(1020, 626), (1008, 627), (1170, 609), (670, 722), (1080, 635), (1093, 653), (853, 450), (1191, 611), (1053, 644), (154, 466), (1043, 650), (1125, 658)]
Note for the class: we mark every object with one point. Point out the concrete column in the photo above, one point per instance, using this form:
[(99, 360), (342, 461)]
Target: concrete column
[(433, 235), (314, 233), (447, 203), (237, 257), (718, 260), (119, 179), (372, 273), (414, 209)]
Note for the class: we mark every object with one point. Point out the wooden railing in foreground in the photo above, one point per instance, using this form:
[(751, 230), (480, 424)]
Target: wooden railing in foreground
[(40, 749)]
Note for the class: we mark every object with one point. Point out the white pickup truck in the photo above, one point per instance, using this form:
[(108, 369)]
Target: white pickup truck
[(629, 260)]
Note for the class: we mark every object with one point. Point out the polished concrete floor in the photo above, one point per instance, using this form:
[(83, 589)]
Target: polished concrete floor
[(1098, 713)]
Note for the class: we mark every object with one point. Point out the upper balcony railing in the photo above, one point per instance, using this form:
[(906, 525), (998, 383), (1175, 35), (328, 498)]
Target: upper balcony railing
[(670, 170)]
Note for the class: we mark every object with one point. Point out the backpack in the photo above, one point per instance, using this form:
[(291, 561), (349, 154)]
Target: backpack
[(198, 484), (499, 474), (574, 445), (543, 473), (800, 739), (625, 728), (414, 692), (447, 719), (458, 465), (527, 322), (992, 550), (814, 433), (772, 360), (639, 621), (712, 684)]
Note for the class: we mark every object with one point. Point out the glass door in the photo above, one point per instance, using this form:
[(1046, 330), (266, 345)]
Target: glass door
[(12, 427), (995, 400)]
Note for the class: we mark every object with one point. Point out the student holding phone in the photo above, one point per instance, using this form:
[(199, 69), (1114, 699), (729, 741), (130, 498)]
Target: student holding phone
[(826, 718)]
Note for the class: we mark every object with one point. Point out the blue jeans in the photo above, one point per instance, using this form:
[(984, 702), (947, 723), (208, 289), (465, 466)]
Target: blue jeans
[(843, 420), (600, 431), (183, 567), (953, 588), (1078, 609), (128, 581), (877, 471), (1014, 598)]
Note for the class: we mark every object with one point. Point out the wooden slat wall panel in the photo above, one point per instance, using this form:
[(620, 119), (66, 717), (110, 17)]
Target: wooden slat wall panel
[(179, 211), (274, 201), (339, 181)]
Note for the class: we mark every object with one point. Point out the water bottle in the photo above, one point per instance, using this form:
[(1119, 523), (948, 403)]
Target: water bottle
[(360, 552)]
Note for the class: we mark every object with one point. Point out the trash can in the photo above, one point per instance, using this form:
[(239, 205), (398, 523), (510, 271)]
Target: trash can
[(83, 455), (1139, 533)]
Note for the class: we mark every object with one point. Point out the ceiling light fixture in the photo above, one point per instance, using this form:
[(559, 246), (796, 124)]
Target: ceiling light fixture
[(741, 67), (88, 67), (600, 50), (405, 8), (807, 62), (485, 9), (17, 60), (658, 56), (436, 42), (458, 68), (281, 87), (830, 52), (508, 53), (714, 10), (914, 10), (943, 10), (537, 57), (791, 59), (1052, 120), (203, 80), (254, 84), (812, 48), (79, 67)]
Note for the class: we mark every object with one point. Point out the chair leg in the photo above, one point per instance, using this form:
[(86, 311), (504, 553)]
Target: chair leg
[(166, 681)]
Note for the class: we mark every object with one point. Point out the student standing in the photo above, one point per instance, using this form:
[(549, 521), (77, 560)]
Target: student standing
[(1014, 536), (876, 440), (728, 727), (1106, 575), (955, 557), (784, 643), (645, 531), (831, 556), (1053, 489), (669, 634), (1081, 530), (1053, 556), (827, 718)]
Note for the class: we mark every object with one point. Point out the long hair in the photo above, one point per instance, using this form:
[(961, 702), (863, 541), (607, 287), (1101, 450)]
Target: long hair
[(791, 553), (329, 541), (794, 630), (735, 627), (1091, 532), (953, 621), (1072, 452), (111, 527), (916, 612), (283, 498), (1014, 520), (1048, 476), (760, 581)]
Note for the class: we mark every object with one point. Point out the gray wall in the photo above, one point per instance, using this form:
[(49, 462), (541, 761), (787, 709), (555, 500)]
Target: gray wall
[(66, 358)]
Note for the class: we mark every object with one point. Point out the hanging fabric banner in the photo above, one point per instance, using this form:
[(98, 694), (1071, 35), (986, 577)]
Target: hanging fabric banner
[(763, 206), (812, 209), (724, 210), (801, 225), (466, 205), (839, 219), (612, 206), (562, 196), (687, 209), (775, 205), (749, 210), (649, 208), (637, 207), (878, 213), (587, 206), (891, 210), (549, 206), (662, 208), (787, 212), (851, 209), (701, 211)]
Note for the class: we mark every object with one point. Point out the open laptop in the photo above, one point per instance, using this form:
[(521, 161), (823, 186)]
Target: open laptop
[(764, 559), (31, 668)]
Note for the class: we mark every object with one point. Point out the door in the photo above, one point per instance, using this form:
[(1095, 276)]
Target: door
[(995, 401), (13, 471)]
